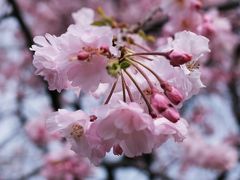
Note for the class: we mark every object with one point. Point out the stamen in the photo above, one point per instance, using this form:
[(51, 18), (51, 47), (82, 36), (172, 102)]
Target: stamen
[(76, 131)]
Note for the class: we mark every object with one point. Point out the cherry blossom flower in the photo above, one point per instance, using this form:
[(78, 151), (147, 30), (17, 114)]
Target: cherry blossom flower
[(37, 132), (75, 127), (129, 127), (64, 164), (223, 156), (141, 88), (164, 129), (59, 59)]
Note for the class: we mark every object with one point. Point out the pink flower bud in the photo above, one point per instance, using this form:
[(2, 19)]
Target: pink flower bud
[(117, 150), (178, 58), (93, 118), (174, 95), (104, 49), (82, 55), (171, 114), (197, 5), (159, 102), (207, 28)]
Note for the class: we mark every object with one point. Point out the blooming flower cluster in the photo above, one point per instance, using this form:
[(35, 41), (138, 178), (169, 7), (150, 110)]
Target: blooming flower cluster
[(143, 87)]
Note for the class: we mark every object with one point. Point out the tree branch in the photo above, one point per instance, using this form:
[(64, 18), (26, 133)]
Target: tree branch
[(54, 95)]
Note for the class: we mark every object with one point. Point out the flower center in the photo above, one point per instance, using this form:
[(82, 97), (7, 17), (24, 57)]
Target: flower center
[(76, 131)]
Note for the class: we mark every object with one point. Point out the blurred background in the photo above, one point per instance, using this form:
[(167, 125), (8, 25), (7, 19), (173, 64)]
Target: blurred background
[(27, 151)]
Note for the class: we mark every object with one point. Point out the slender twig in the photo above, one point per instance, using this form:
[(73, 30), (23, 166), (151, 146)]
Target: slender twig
[(16, 12), (146, 19), (228, 5), (5, 16), (30, 174)]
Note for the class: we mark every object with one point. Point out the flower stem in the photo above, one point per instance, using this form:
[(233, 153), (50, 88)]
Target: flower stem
[(111, 92), (123, 88), (141, 92), (141, 47), (148, 54), (143, 74), (149, 69), (127, 88)]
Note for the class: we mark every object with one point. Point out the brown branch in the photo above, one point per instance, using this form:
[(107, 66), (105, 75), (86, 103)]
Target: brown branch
[(16, 12), (140, 25), (229, 5)]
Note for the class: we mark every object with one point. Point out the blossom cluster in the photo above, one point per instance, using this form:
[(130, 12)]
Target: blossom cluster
[(143, 86)]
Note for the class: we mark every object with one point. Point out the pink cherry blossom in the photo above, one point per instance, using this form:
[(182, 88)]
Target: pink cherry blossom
[(191, 43), (216, 156), (64, 164), (129, 127), (159, 102), (164, 129), (56, 58), (75, 127), (37, 132), (179, 58)]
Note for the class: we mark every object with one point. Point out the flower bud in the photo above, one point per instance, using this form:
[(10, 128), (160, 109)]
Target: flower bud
[(174, 95), (196, 5), (104, 49), (159, 102), (171, 114), (178, 58), (82, 55), (117, 150)]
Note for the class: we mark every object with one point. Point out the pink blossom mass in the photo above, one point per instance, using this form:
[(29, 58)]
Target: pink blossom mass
[(120, 89)]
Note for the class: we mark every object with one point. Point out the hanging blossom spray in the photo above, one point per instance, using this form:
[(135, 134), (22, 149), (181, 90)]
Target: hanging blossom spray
[(143, 87)]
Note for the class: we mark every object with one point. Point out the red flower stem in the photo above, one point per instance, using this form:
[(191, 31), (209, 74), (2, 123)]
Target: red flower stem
[(144, 75), (149, 69), (123, 88), (127, 88), (111, 92), (141, 92)]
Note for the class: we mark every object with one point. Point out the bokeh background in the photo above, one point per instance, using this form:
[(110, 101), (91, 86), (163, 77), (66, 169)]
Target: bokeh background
[(27, 151)]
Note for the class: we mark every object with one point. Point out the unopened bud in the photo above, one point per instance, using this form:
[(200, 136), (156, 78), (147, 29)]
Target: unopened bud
[(159, 102), (171, 114), (174, 95), (196, 4), (104, 49), (117, 150), (82, 55), (207, 27), (93, 118), (178, 58)]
